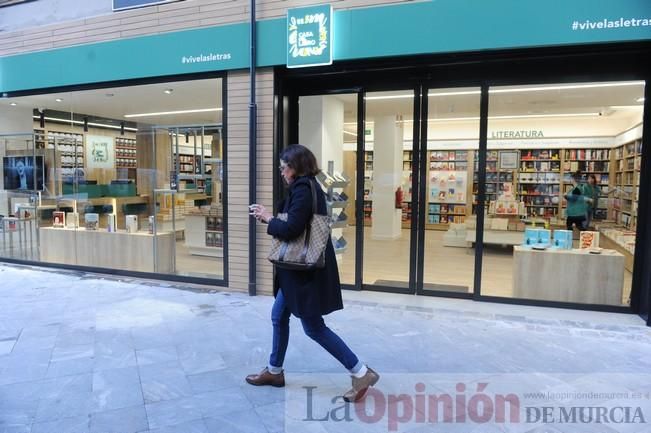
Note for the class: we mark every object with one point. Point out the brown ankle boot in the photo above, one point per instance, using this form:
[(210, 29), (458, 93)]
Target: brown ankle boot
[(266, 378), (361, 385)]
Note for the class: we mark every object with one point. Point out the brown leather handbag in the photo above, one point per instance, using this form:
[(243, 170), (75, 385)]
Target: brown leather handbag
[(307, 251)]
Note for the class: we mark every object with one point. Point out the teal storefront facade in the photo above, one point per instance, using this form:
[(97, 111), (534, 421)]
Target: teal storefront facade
[(437, 44)]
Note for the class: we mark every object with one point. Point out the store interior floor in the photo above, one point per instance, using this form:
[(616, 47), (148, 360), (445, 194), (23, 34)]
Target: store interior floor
[(197, 266), (388, 261)]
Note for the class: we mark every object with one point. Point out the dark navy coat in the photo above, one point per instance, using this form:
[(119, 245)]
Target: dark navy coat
[(307, 293)]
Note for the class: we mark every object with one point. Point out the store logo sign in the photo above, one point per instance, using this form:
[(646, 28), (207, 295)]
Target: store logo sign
[(309, 36)]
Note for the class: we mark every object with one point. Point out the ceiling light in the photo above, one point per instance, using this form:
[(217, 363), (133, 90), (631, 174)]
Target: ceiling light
[(350, 133), (168, 91), (536, 116), (522, 116), (59, 99), (79, 122), (640, 99), (370, 98), (13, 104), (461, 92), (567, 87), (166, 113)]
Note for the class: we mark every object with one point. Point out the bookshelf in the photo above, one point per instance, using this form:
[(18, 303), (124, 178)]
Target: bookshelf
[(626, 186), (407, 165), (125, 153), (496, 177), (539, 182), (368, 187), (447, 194)]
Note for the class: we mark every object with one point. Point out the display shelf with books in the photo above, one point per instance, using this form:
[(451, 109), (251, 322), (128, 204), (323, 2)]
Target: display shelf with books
[(539, 182), (626, 184), (39, 138), (407, 166), (492, 177), (336, 201), (186, 163), (495, 178), (125, 153), (69, 148), (447, 187), (368, 188)]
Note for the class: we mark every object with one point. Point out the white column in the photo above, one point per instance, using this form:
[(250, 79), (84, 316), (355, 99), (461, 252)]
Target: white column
[(387, 173), (320, 129)]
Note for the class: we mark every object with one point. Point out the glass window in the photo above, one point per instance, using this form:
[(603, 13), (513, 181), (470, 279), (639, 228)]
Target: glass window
[(109, 178), (561, 224)]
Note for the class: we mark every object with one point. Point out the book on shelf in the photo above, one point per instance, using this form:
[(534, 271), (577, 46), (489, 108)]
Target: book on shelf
[(91, 221), (58, 219), (72, 220), (588, 239)]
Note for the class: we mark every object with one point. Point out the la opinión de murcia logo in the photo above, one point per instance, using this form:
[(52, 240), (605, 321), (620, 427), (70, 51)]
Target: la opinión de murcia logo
[(308, 36), (465, 405)]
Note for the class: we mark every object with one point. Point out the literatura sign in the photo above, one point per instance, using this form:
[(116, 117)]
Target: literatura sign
[(309, 36), (518, 134), (129, 4)]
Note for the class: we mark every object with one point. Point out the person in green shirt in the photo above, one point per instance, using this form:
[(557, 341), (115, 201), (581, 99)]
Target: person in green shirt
[(578, 202), (592, 191)]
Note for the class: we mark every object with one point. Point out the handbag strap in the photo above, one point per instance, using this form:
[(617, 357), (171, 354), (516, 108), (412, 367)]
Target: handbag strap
[(308, 228)]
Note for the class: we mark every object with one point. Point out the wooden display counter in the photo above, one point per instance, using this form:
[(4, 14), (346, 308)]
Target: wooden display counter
[(197, 235), (99, 248), (118, 204), (568, 276)]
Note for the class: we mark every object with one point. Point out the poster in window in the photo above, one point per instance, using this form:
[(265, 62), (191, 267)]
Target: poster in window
[(100, 152)]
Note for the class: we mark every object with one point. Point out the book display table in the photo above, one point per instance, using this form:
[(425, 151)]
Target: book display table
[(499, 237), (99, 248), (568, 276)]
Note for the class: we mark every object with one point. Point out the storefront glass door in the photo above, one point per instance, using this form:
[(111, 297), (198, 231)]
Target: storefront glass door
[(449, 184), (389, 170)]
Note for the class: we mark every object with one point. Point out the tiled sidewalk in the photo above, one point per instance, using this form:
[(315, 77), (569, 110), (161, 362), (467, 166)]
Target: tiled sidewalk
[(85, 353)]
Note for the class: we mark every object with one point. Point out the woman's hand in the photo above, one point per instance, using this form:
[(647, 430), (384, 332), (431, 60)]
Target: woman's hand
[(261, 213)]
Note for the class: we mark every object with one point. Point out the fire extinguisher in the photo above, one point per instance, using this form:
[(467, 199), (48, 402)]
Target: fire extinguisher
[(399, 197)]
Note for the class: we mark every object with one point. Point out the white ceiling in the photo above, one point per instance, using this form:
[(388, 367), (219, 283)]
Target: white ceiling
[(186, 95), (610, 101)]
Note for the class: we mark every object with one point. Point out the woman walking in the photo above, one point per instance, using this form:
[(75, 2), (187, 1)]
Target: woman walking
[(308, 295)]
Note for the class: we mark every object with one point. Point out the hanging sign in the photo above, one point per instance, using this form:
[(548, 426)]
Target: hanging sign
[(309, 36)]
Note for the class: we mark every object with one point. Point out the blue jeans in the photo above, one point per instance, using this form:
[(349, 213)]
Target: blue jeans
[(314, 328)]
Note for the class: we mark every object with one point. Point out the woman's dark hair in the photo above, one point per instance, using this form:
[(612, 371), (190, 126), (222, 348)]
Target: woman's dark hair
[(300, 159), (594, 177)]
